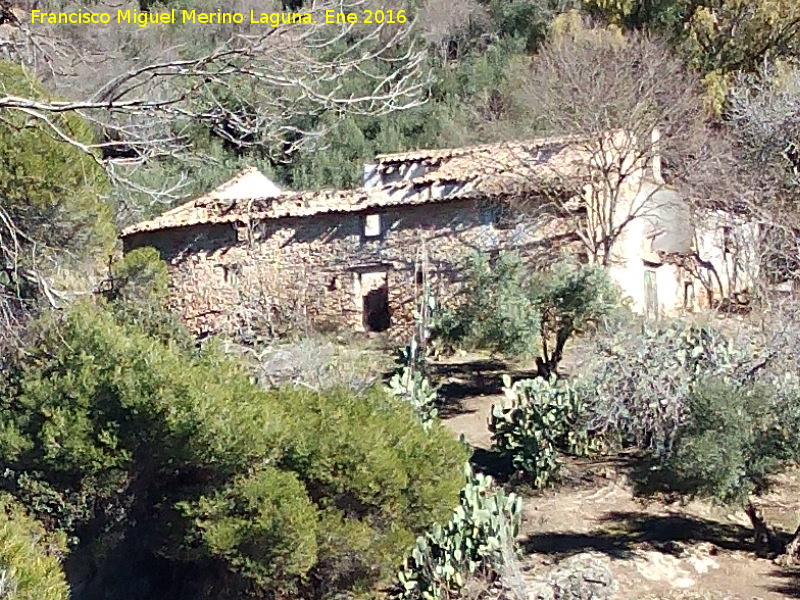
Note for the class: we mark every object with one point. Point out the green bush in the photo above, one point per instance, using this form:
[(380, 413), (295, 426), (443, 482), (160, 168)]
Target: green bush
[(508, 307), (726, 447), (52, 213), (138, 291), (736, 434), (392, 471), (571, 300), (714, 415), (30, 567), (529, 21), (51, 189), (127, 441), (263, 526), (640, 378), (543, 419), (140, 276), (498, 311)]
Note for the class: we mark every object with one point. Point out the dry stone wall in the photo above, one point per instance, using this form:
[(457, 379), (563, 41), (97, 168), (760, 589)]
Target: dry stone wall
[(313, 272)]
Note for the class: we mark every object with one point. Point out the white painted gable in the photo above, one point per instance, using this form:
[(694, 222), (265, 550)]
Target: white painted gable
[(250, 183)]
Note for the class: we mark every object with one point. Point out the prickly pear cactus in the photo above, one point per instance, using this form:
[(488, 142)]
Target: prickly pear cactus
[(540, 420), (482, 528), (410, 383)]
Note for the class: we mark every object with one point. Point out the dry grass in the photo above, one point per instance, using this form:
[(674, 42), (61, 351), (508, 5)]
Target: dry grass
[(316, 362)]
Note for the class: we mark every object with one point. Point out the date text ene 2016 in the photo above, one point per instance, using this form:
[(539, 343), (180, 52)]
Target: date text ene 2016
[(367, 16)]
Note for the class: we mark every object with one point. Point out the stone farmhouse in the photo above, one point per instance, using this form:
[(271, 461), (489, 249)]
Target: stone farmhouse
[(248, 258)]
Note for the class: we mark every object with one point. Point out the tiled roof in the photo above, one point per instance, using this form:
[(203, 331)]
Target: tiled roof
[(248, 183), (448, 153), (288, 204), (495, 168), (460, 173), (215, 210)]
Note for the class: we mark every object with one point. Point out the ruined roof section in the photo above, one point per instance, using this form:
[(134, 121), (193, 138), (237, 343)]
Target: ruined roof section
[(490, 169), (207, 210), (288, 204), (248, 183), (409, 178), (438, 155)]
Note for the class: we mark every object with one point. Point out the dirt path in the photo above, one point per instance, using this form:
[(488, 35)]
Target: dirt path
[(656, 550), (470, 385)]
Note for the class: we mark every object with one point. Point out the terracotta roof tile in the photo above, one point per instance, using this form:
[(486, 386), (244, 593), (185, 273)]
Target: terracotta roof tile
[(459, 173), (495, 168), (446, 153), (288, 204)]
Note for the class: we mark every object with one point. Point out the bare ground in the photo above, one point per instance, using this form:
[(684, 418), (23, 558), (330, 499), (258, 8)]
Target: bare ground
[(657, 549)]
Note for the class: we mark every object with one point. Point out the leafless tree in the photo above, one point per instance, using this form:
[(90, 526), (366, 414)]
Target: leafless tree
[(22, 286), (632, 106), (246, 83), (446, 24), (764, 116)]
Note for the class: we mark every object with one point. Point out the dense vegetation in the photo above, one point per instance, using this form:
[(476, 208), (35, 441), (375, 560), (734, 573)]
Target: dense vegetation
[(476, 56), (30, 557), (136, 462), (133, 445), (507, 307), (712, 415)]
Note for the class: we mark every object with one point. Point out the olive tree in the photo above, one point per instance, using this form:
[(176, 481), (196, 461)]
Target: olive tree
[(507, 307)]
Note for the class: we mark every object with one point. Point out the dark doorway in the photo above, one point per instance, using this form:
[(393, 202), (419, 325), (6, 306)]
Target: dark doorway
[(376, 309)]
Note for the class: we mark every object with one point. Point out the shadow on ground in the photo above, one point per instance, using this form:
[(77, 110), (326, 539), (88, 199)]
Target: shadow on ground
[(489, 462), (471, 379), (623, 531), (790, 587), (467, 380)]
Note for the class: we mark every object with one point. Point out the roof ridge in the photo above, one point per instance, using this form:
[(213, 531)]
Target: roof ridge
[(453, 151)]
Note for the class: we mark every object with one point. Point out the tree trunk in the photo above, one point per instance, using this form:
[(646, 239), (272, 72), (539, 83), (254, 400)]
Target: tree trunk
[(558, 352), (542, 369), (764, 540)]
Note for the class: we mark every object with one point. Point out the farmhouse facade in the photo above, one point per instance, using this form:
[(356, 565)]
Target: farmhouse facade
[(249, 258)]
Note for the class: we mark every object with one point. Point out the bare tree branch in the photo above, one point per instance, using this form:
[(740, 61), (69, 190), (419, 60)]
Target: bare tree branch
[(249, 85)]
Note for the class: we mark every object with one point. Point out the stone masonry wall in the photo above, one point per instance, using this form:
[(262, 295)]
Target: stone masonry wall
[(309, 272)]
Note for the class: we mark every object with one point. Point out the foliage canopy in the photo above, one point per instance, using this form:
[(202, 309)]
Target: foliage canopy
[(509, 308), (51, 190), (30, 566), (182, 457)]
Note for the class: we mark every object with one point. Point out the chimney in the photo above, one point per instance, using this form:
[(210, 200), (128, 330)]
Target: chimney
[(656, 160)]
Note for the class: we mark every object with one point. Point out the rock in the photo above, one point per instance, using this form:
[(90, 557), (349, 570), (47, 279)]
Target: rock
[(585, 576)]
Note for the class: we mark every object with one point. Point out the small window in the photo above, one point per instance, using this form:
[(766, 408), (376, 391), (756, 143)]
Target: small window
[(372, 226)]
